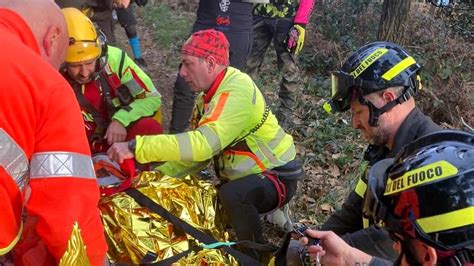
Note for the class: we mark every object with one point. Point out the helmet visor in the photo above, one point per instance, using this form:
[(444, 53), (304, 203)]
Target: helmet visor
[(82, 50), (341, 90), (343, 86)]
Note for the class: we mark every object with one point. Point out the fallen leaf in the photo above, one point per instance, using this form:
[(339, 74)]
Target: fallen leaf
[(326, 208)]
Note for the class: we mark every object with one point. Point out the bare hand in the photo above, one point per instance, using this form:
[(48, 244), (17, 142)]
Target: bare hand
[(334, 250), (116, 132), (120, 152)]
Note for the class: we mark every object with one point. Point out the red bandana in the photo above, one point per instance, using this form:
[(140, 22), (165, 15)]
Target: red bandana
[(207, 43)]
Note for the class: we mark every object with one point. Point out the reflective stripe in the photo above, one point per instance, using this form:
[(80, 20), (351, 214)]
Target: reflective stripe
[(10, 246), (365, 222), (402, 65), (360, 188), (87, 116), (240, 169), (289, 154), (254, 96), (190, 168), (447, 221), (245, 164), (267, 153), (185, 149), (368, 60), (134, 88), (61, 164), (216, 113), (252, 160), (13, 159), (280, 135), (211, 137)]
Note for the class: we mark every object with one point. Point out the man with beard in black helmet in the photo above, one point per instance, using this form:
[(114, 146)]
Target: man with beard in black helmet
[(377, 83)]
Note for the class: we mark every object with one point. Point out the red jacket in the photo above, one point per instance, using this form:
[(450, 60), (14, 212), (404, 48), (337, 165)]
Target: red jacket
[(45, 166)]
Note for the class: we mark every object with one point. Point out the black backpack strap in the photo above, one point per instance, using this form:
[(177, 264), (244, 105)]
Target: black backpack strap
[(146, 202)]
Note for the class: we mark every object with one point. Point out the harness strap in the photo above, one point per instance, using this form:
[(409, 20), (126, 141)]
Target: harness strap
[(146, 202), (107, 94), (375, 113), (279, 186), (100, 122)]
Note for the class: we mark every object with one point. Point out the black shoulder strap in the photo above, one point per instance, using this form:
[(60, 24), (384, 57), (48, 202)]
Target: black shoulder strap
[(104, 84), (122, 61), (84, 103), (144, 201)]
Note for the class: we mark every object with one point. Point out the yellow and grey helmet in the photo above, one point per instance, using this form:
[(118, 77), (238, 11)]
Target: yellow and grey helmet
[(84, 42)]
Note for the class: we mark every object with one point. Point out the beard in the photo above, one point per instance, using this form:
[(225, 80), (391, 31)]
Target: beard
[(380, 134)]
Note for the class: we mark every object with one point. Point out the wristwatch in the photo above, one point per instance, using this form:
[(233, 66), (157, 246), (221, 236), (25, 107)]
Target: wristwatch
[(132, 145)]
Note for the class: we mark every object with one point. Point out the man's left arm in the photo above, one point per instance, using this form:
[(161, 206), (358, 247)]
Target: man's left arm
[(304, 12), (302, 16)]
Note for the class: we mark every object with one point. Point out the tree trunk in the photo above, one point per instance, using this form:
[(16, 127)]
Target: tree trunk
[(393, 21)]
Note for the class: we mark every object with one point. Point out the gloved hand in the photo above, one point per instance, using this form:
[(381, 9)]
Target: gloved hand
[(295, 39)]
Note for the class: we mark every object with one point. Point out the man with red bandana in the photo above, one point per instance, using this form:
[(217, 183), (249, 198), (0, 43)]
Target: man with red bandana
[(253, 155), (234, 19), (47, 182)]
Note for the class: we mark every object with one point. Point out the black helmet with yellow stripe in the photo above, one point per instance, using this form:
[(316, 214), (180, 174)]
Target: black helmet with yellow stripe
[(371, 68), (427, 191)]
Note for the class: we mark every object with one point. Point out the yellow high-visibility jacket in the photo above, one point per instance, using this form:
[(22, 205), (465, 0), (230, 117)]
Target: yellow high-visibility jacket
[(224, 118)]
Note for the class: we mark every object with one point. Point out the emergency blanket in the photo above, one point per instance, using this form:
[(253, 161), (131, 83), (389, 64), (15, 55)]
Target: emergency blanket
[(134, 232)]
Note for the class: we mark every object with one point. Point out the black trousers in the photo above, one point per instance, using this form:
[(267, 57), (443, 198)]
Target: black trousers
[(183, 98), (128, 21), (244, 199)]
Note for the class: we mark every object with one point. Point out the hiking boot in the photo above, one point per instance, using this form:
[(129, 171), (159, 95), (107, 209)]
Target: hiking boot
[(141, 62)]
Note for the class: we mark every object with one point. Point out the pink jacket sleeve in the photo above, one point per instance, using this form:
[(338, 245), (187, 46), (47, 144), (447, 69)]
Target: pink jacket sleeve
[(304, 11)]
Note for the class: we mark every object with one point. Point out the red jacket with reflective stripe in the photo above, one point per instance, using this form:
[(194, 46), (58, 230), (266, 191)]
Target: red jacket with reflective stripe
[(39, 112)]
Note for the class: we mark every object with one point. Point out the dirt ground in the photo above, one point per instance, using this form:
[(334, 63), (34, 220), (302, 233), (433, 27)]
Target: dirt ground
[(162, 77)]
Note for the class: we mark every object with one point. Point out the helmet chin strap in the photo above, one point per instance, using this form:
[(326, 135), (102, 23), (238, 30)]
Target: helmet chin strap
[(101, 63), (407, 254), (375, 113)]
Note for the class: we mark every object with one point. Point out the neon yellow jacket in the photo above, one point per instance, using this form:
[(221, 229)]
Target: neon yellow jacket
[(132, 75), (236, 107)]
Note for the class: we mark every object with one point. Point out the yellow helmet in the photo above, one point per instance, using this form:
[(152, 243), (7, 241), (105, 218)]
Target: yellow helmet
[(84, 43)]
